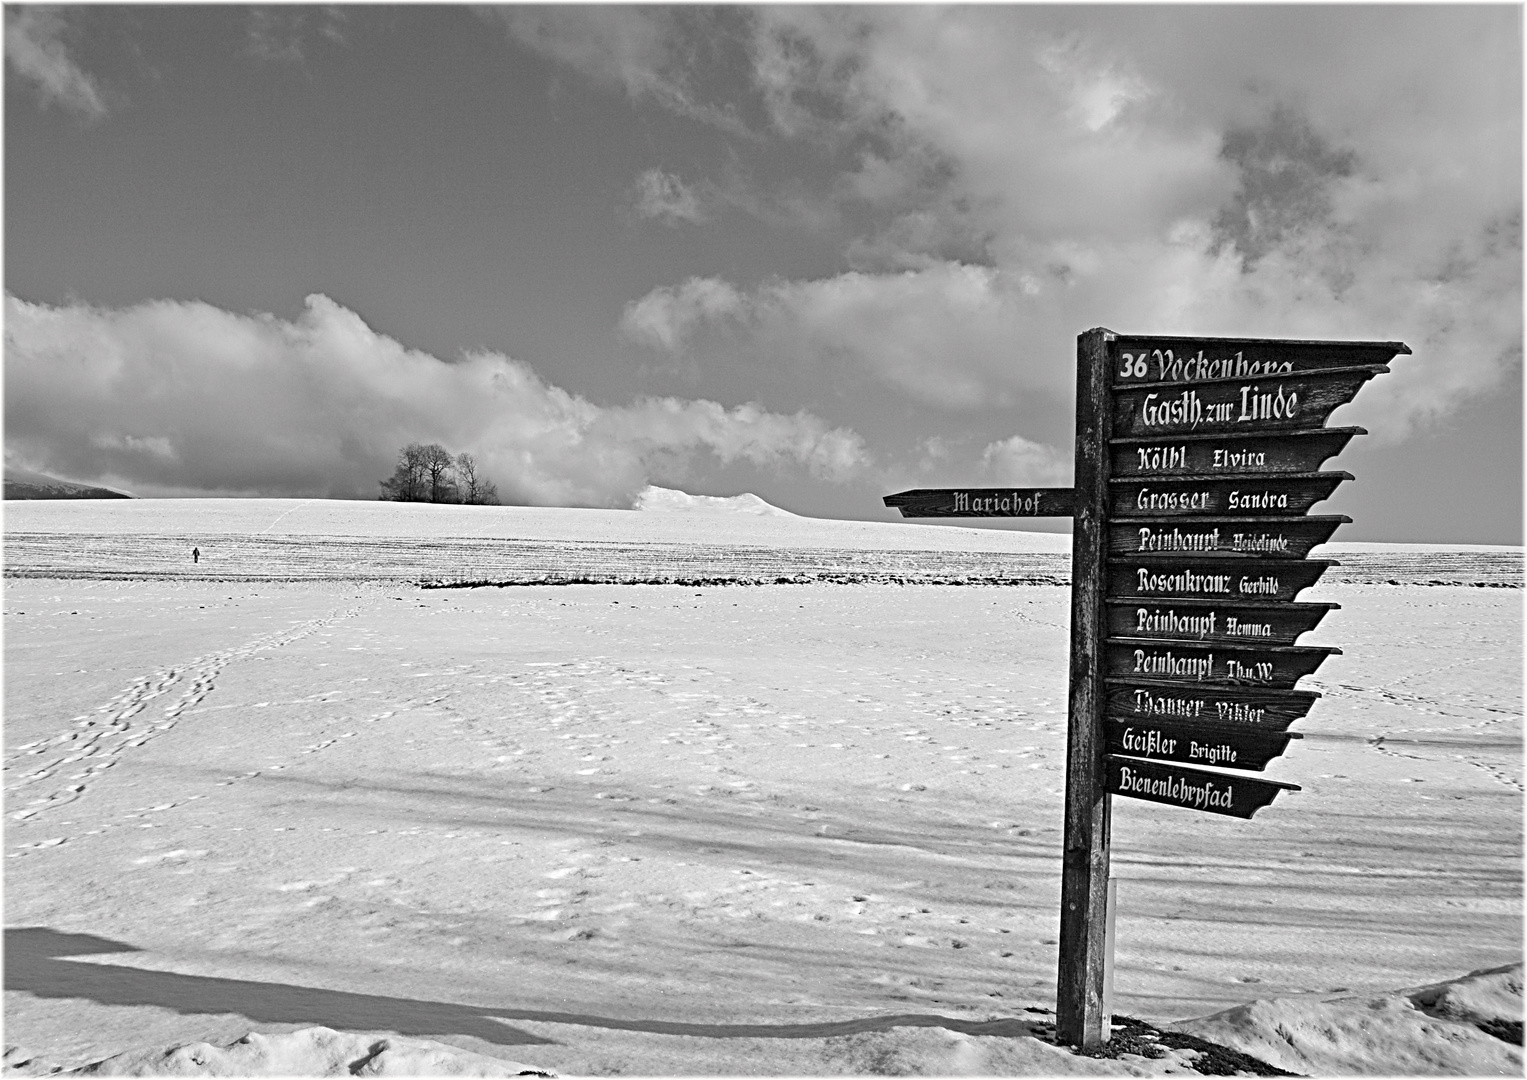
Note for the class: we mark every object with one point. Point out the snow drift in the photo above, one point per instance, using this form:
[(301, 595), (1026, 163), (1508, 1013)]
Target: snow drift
[(1462, 1027)]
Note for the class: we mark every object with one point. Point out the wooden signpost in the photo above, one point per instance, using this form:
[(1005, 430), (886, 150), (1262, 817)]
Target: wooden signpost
[(1197, 462)]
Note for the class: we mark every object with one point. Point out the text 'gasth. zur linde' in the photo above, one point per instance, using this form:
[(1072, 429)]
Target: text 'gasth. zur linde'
[(1188, 408)]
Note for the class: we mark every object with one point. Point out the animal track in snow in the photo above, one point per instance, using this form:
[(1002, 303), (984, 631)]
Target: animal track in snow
[(1511, 779), (1483, 716), (99, 741)]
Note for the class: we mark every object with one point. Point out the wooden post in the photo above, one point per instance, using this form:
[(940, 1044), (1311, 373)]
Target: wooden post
[(1080, 1019), (1111, 942)]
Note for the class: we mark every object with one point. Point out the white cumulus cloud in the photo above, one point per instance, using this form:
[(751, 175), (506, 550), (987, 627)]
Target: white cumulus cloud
[(1024, 463), (174, 397)]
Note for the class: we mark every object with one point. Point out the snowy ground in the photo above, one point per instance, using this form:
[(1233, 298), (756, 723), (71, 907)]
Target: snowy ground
[(666, 829)]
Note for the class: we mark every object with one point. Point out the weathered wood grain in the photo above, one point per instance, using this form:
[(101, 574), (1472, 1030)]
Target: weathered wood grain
[(1080, 1016)]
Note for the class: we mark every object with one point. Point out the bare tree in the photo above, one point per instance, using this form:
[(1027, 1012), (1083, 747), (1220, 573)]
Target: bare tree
[(423, 474), (474, 489), (439, 485), (407, 482)]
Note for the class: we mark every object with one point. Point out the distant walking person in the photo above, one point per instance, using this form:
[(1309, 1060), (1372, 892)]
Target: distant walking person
[(195, 555)]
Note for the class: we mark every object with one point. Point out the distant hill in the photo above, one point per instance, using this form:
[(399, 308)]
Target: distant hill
[(24, 484)]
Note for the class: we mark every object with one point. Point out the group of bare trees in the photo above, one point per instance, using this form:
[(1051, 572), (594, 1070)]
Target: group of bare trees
[(431, 474)]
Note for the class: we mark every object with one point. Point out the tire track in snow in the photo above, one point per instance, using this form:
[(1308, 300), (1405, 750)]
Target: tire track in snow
[(100, 740)]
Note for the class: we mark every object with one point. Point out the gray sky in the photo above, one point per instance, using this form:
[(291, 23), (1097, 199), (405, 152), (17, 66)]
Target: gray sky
[(816, 253)]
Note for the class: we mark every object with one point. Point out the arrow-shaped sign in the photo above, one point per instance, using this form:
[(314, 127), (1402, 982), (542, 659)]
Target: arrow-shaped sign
[(1222, 745), (1216, 793)]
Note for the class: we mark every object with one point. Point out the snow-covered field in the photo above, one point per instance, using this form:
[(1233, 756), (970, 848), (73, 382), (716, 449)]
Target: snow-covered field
[(699, 829), (684, 539)]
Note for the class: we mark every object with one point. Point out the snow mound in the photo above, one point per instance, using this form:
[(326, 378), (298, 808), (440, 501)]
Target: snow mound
[(1462, 1027), (940, 1052), (667, 499), (314, 1051)]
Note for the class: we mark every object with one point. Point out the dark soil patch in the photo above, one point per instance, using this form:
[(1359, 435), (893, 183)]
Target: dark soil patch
[(1132, 1036)]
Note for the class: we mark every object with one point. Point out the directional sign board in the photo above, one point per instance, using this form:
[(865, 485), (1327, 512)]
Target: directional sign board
[(1198, 463), (1279, 666), (1136, 699), (1266, 622), (1197, 743), (1220, 455), (1212, 576), (1286, 493), (1194, 789), (1202, 359), (1232, 407), (1289, 537)]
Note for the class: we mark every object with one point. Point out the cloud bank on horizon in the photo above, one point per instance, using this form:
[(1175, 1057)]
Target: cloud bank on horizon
[(183, 398), (998, 179)]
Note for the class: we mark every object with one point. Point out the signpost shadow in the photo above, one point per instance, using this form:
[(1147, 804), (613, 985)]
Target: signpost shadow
[(38, 962)]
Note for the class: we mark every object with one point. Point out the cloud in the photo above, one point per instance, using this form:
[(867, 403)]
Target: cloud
[(672, 55), (186, 398), (1015, 175), (1096, 90), (1287, 176), (281, 34), (940, 462), (624, 46), (667, 198), (949, 334), (1021, 462), (666, 317), (35, 46)]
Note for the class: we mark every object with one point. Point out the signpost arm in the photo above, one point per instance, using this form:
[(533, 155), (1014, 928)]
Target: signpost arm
[(1080, 1019)]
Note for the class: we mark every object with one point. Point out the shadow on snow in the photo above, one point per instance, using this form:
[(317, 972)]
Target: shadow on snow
[(38, 961)]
